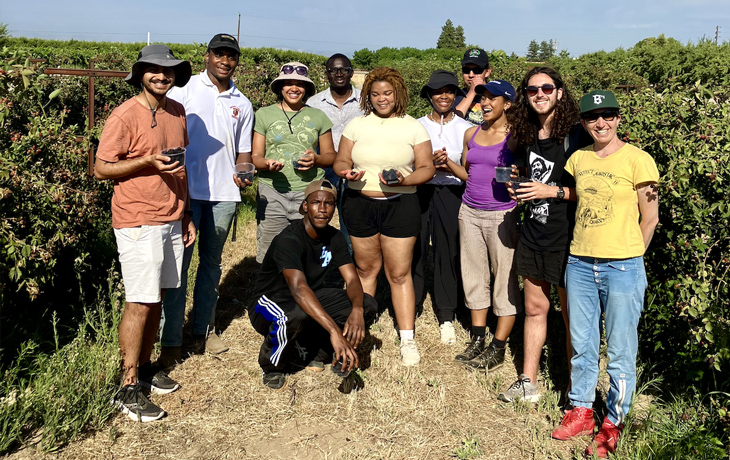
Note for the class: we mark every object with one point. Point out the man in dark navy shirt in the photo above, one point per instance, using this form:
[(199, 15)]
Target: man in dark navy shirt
[(293, 302)]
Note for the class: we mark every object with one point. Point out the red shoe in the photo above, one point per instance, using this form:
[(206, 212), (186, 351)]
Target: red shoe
[(577, 422), (606, 439)]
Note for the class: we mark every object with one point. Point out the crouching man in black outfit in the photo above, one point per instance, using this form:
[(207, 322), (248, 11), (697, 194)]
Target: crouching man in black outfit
[(293, 304)]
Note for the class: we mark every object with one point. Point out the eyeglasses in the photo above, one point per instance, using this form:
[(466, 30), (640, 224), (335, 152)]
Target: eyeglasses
[(300, 70), (547, 90), (476, 70), (340, 70), (592, 117)]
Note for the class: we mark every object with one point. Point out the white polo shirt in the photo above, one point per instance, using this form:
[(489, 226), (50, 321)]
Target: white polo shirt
[(220, 125)]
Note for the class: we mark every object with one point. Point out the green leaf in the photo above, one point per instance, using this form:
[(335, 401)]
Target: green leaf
[(54, 94)]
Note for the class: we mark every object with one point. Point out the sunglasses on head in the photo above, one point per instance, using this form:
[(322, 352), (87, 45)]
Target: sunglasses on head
[(290, 69), (476, 70), (592, 117), (340, 70), (546, 90)]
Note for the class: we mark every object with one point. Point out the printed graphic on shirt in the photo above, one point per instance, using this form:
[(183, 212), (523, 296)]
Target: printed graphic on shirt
[(475, 115), (326, 256), (285, 143), (595, 207), (235, 110), (540, 171)]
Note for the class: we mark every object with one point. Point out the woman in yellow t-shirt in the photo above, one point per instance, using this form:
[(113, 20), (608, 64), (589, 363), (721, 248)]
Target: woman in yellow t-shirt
[(384, 155), (618, 210)]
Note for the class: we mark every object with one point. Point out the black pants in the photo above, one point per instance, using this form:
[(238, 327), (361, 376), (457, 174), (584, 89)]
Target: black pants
[(439, 225), (290, 334)]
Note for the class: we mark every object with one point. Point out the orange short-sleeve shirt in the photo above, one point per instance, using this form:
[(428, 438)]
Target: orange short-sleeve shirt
[(146, 197)]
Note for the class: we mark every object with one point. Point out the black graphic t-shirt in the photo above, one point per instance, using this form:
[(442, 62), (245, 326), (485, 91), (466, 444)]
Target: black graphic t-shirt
[(548, 224), (294, 249)]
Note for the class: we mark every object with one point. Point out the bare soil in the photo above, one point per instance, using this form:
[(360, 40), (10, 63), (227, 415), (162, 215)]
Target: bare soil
[(437, 410)]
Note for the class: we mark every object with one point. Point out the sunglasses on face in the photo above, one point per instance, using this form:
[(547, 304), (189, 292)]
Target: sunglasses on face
[(546, 90), (340, 71), (608, 115), (300, 70), (476, 70)]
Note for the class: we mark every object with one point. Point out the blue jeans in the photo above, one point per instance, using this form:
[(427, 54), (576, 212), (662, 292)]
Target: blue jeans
[(212, 219), (617, 287)]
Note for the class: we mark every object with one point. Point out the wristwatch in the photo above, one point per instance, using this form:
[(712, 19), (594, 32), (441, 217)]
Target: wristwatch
[(561, 193)]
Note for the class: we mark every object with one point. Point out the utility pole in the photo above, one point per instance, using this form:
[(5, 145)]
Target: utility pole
[(717, 34), (238, 35)]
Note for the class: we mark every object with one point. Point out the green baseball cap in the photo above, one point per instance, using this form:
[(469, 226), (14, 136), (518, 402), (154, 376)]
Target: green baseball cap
[(598, 99)]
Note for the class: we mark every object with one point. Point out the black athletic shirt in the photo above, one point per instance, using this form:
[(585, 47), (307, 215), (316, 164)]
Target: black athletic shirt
[(294, 249), (548, 224)]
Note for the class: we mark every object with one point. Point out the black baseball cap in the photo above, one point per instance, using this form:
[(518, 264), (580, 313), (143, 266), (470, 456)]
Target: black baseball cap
[(476, 56), (224, 41)]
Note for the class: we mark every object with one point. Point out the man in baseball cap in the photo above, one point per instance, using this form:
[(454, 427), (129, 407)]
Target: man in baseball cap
[(142, 150), (294, 311), (475, 70), (220, 127)]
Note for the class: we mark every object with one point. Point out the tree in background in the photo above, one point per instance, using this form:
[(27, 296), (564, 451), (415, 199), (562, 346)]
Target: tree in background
[(533, 49), (451, 37), (546, 50)]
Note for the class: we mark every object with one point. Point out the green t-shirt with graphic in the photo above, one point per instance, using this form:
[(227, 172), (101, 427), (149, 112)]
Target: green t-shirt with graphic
[(282, 143)]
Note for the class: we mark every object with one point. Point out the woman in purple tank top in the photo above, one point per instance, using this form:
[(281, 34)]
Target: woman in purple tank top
[(488, 228)]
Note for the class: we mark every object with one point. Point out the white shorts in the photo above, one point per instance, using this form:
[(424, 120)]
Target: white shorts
[(151, 258)]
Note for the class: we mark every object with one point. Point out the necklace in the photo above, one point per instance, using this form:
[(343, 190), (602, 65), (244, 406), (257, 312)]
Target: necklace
[(289, 119), (443, 120), (153, 110)]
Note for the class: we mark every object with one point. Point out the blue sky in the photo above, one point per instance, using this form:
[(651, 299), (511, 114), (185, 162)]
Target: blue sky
[(328, 26)]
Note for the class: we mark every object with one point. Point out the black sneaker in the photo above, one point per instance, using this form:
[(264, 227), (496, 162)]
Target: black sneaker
[(132, 402), (154, 378), (474, 349), (492, 358), (274, 380)]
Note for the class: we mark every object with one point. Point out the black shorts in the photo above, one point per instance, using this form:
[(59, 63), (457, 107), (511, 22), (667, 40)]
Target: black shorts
[(398, 217), (541, 265)]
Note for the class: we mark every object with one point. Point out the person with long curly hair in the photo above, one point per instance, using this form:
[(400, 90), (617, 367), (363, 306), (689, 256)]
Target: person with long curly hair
[(547, 131), (488, 228), (384, 155)]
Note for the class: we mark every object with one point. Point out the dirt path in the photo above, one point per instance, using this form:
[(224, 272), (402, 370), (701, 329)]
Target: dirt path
[(437, 410)]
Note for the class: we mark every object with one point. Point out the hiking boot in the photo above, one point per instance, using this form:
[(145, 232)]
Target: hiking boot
[(132, 402), (448, 333), (274, 380), (214, 345), (154, 378), (169, 357), (490, 359), (474, 349), (409, 355), (522, 389), (605, 441), (578, 422)]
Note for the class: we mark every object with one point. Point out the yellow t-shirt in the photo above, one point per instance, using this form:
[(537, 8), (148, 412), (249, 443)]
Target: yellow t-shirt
[(607, 218), (380, 143)]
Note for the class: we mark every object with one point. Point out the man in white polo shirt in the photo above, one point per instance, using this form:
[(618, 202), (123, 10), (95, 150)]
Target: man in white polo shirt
[(220, 123), (341, 103)]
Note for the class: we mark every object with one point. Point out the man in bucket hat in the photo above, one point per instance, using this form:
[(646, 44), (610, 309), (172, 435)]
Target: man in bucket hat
[(294, 311), (142, 150), (220, 125)]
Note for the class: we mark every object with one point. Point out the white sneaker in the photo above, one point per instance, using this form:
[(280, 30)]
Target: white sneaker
[(448, 333), (409, 355)]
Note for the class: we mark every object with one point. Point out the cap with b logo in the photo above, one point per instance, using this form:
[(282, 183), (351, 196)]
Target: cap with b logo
[(598, 99)]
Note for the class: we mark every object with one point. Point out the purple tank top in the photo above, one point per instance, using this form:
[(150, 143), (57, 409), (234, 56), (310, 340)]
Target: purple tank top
[(482, 189)]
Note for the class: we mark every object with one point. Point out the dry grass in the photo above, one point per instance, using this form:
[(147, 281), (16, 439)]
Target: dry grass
[(437, 410)]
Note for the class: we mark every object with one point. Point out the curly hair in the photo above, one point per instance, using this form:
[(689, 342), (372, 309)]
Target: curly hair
[(526, 122), (395, 79)]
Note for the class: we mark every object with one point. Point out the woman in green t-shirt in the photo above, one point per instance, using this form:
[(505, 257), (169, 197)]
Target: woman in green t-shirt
[(286, 138)]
